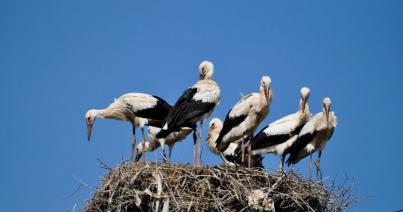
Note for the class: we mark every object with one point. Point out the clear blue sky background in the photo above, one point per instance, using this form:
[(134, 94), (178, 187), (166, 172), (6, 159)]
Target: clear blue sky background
[(61, 58)]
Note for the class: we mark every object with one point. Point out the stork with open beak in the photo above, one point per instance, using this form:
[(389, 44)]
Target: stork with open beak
[(137, 108), (314, 136)]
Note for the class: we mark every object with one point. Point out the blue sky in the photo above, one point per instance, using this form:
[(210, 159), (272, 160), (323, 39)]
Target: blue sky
[(61, 58)]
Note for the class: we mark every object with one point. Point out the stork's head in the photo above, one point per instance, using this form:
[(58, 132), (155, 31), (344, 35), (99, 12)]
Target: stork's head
[(304, 97), (139, 149), (215, 127), (326, 107), (265, 83), (206, 70), (90, 117)]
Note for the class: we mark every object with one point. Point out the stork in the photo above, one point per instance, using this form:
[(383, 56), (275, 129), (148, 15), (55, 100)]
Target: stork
[(278, 136), (232, 155), (243, 119), (171, 139), (137, 108), (314, 136), (194, 105), (148, 147)]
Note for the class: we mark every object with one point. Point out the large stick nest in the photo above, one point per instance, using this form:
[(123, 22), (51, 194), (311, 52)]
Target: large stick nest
[(167, 187)]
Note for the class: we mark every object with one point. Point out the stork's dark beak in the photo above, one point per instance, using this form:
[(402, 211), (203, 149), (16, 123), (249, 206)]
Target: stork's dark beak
[(327, 110), (266, 93), (89, 130), (138, 156), (303, 104)]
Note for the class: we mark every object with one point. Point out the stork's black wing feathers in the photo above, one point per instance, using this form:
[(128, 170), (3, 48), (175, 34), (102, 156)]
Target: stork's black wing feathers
[(229, 123), (157, 113), (262, 140), (295, 149), (184, 110)]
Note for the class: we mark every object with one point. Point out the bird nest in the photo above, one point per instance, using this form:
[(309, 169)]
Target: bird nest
[(167, 187)]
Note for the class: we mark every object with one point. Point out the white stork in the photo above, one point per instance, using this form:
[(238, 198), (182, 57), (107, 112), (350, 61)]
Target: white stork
[(278, 136), (148, 147), (314, 136), (170, 139), (232, 154), (137, 108), (194, 105), (243, 119)]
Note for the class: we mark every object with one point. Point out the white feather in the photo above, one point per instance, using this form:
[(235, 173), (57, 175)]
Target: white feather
[(139, 101), (207, 91)]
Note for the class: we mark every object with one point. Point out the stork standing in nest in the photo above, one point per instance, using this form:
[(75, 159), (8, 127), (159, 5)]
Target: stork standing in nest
[(137, 108), (171, 139), (243, 119), (314, 136), (194, 105), (232, 154), (278, 136)]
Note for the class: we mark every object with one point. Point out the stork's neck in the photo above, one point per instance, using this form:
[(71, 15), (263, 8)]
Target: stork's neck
[(103, 113)]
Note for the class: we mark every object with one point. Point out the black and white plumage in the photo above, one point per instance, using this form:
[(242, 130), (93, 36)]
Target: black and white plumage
[(243, 119), (314, 136), (137, 108), (278, 136), (194, 105), (170, 140), (232, 154)]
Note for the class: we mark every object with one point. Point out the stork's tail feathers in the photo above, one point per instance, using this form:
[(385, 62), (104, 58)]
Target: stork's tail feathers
[(163, 133), (294, 158)]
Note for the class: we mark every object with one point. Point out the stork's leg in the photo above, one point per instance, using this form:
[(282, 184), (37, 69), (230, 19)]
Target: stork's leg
[(143, 144), (199, 137), (164, 156), (194, 147), (281, 170), (249, 154), (133, 143), (242, 151), (317, 164), (170, 152), (310, 166)]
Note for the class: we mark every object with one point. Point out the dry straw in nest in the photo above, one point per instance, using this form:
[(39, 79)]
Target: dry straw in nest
[(167, 187)]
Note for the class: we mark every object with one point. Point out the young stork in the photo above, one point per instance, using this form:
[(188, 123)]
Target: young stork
[(243, 119), (232, 155), (137, 108), (278, 136), (194, 105), (314, 136), (170, 140)]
